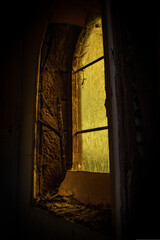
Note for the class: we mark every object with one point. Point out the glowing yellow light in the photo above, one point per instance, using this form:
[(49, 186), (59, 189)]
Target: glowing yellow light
[(92, 153)]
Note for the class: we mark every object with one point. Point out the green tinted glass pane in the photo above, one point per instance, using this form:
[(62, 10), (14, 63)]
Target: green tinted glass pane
[(92, 97), (95, 152), (93, 44)]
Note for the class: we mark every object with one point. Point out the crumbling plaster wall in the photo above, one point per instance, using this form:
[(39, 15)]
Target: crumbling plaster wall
[(54, 119)]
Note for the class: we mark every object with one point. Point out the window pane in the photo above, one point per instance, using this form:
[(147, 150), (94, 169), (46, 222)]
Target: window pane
[(93, 42), (95, 152), (92, 97), (90, 150)]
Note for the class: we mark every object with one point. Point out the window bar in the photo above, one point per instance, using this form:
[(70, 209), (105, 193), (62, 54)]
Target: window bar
[(91, 130), (89, 64)]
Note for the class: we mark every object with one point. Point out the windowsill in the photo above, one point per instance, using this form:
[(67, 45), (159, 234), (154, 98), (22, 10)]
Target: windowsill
[(87, 187), (80, 201), (93, 218)]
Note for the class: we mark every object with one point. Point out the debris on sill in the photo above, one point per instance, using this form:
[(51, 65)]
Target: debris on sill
[(94, 217)]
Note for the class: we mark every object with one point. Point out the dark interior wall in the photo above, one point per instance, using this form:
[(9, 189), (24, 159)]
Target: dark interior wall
[(10, 129), (14, 27), (134, 33), (10, 115)]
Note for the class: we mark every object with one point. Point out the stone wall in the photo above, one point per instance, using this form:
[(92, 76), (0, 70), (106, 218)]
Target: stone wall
[(54, 106)]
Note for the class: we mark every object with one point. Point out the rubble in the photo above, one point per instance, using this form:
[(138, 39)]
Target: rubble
[(94, 217)]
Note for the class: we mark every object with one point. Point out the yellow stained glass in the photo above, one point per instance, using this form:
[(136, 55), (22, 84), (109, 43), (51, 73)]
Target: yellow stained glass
[(92, 151), (92, 97), (93, 43)]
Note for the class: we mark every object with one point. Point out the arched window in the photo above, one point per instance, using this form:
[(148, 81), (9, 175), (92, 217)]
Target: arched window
[(71, 124), (71, 166), (90, 125)]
